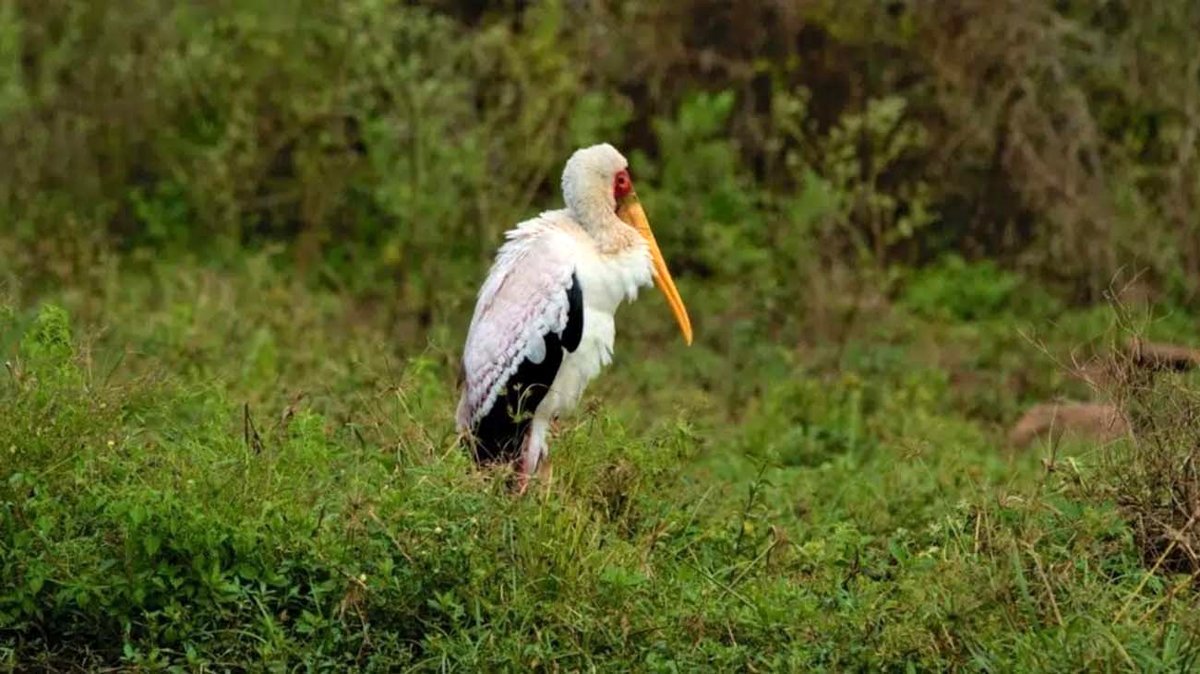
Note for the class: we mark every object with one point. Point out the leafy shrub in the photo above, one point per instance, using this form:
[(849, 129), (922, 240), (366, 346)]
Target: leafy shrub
[(958, 290), (374, 136)]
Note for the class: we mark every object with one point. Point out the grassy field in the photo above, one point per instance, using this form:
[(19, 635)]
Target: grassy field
[(211, 468), (239, 245)]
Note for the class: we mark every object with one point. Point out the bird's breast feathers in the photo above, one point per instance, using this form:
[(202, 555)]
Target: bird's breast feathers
[(608, 277)]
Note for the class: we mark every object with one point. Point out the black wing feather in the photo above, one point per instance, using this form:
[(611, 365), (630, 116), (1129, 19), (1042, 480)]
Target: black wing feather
[(573, 333), (499, 434)]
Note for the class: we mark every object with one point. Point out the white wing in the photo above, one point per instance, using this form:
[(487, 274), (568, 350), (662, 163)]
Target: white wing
[(523, 299)]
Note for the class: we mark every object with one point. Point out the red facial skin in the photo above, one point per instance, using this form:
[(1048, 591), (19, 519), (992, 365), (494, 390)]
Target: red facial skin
[(622, 184)]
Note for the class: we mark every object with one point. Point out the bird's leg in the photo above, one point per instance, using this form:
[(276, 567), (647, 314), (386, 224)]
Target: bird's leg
[(545, 468), (527, 463), (532, 451)]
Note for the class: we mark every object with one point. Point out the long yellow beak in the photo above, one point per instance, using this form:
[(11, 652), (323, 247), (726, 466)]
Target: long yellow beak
[(629, 209)]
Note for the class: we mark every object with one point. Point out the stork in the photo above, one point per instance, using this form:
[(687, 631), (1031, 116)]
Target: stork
[(543, 325)]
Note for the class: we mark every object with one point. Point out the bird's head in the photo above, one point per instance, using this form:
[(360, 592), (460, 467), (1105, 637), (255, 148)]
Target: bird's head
[(598, 190)]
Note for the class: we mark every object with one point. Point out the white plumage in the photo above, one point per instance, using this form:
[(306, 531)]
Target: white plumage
[(525, 324)]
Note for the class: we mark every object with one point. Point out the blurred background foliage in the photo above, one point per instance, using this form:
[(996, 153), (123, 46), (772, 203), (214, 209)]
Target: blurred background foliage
[(386, 145)]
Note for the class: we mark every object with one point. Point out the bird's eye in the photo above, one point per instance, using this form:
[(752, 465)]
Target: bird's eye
[(621, 184)]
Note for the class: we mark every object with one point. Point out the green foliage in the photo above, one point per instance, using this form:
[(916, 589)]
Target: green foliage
[(698, 183), (349, 131), (855, 157), (184, 506), (49, 343), (955, 289), (388, 146)]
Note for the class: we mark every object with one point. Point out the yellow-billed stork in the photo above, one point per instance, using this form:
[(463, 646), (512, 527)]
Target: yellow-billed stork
[(543, 325)]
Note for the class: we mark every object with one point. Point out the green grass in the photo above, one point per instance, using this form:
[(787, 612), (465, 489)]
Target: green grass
[(208, 469)]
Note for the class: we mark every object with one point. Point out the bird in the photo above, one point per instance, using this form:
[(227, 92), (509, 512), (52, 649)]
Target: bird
[(543, 324)]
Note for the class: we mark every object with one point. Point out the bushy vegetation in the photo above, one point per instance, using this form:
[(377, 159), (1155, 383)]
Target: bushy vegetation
[(239, 249)]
